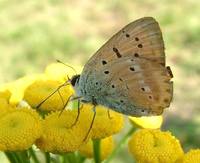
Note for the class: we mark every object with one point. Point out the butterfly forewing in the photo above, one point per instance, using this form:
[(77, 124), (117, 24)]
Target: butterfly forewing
[(131, 66), (140, 38)]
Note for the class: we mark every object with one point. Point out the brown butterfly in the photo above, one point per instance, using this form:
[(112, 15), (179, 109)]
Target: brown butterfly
[(128, 73)]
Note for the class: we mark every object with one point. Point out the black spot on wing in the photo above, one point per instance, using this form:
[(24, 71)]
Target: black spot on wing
[(140, 46), (127, 35), (117, 52), (104, 62), (136, 39), (106, 72), (132, 68), (136, 55)]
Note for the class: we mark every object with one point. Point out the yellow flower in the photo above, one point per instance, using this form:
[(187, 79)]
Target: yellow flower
[(18, 87), (153, 122), (4, 102), (106, 147), (41, 89), (154, 146), (193, 156), (60, 72), (4, 106), (59, 136), (103, 125), (19, 129), (5, 95)]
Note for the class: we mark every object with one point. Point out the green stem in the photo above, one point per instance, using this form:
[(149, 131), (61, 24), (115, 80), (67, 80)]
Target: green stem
[(72, 157), (33, 155), (96, 150), (81, 158), (17, 156), (119, 145), (23, 155), (65, 159), (11, 157), (47, 157)]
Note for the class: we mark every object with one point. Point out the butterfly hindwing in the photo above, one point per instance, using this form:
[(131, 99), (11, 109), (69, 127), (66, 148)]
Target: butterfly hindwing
[(139, 83)]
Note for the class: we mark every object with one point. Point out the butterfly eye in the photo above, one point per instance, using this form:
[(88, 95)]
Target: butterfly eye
[(96, 83), (127, 35), (140, 45), (113, 86), (121, 101), (142, 89)]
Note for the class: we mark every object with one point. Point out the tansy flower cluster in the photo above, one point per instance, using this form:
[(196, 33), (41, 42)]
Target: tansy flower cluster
[(37, 117)]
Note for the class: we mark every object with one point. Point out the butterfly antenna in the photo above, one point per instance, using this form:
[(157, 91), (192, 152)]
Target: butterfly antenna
[(67, 65), (65, 84)]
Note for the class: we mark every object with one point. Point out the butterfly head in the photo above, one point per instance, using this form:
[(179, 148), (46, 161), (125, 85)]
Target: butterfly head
[(74, 80)]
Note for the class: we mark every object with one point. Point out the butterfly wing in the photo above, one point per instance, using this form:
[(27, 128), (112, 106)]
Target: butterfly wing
[(137, 86), (141, 38), (131, 68)]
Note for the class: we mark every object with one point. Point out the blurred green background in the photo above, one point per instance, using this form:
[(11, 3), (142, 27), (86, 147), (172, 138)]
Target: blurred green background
[(33, 33)]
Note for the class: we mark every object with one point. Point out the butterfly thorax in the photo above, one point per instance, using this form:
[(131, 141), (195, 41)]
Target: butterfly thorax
[(80, 86)]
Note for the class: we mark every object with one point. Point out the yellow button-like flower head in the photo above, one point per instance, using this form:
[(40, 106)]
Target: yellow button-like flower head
[(59, 136), (104, 125), (193, 156), (60, 72), (19, 129), (4, 107), (154, 146), (5, 95), (106, 147), (18, 87), (4, 102), (41, 89)]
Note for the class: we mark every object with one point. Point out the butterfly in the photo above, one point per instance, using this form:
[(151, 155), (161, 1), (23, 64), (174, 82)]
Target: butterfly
[(128, 73)]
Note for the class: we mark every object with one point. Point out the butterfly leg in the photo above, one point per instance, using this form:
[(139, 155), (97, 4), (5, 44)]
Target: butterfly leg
[(66, 83), (93, 118), (109, 116), (68, 100), (75, 98), (65, 105), (77, 117)]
